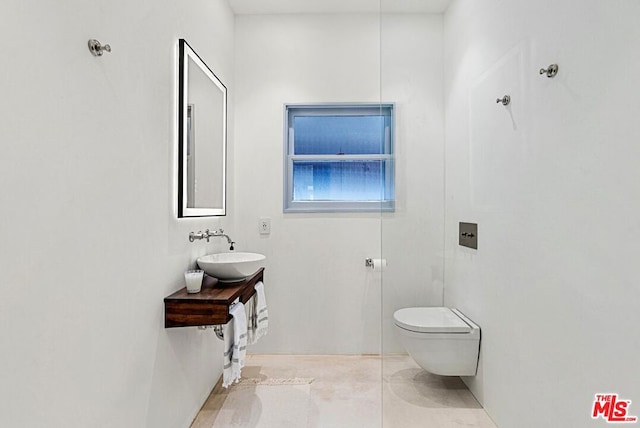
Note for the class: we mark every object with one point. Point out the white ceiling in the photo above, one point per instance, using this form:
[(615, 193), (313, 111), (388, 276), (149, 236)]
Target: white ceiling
[(246, 7)]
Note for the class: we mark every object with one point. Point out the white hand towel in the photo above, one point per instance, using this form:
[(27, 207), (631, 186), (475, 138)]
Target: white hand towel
[(227, 337), (261, 313), (235, 345), (252, 321)]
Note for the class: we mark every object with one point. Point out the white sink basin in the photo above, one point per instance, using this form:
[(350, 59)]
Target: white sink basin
[(231, 266)]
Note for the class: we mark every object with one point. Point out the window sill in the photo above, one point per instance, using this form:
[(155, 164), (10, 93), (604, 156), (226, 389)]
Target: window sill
[(339, 207)]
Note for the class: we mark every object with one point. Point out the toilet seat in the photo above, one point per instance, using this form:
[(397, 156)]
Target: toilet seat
[(431, 320), (441, 340)]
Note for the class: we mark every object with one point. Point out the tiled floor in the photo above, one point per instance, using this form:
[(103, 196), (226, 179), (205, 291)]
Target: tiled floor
[(340, 392)]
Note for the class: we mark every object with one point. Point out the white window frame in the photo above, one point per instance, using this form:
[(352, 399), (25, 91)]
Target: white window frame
[(332, 109)]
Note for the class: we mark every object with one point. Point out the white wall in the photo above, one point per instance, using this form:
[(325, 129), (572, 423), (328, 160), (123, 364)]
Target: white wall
[(552, 181), (90, 244), (321, 297)]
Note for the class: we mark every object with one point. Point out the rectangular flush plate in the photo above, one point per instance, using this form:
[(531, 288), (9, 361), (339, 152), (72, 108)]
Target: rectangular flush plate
[(468, 235)]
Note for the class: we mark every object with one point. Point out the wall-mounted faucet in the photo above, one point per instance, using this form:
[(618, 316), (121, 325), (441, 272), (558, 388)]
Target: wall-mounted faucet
[(207, 234), (221, 234)]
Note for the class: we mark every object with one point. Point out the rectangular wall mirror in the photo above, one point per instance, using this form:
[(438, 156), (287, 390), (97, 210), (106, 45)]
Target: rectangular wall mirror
[(202, 137)]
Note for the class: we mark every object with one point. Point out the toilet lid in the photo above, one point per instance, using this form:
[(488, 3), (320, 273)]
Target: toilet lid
[(430, 320)]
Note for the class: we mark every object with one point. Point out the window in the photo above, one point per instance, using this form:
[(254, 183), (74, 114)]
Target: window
[(339, 158)]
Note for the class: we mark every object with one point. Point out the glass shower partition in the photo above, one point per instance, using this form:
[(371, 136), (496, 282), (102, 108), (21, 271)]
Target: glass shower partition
[(412, 237)]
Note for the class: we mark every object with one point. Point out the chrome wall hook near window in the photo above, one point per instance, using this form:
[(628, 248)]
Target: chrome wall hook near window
[(96, 48), (550, 71), (504, 100)]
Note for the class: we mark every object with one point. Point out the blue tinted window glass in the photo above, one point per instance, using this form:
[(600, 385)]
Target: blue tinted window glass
[(338, 181), (332, 135)]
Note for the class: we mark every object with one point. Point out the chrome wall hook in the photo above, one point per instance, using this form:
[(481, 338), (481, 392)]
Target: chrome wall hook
[(504, 100), (96, 48), (550, 71)]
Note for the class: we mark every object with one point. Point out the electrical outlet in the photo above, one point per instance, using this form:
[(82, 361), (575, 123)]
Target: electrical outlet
[(264, 227)]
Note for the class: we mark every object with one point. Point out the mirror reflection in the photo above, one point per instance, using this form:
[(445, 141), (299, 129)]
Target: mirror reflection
[(202, 137)]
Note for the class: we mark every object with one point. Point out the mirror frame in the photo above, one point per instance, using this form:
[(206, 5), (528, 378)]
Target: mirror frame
[(185, 52)]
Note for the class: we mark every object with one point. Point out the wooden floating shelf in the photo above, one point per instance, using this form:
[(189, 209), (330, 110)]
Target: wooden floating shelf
[(211, 305)]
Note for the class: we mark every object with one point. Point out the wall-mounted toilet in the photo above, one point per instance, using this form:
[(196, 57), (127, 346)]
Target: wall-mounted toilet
[(441, 340)]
